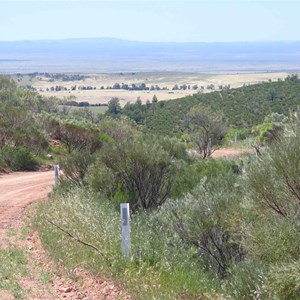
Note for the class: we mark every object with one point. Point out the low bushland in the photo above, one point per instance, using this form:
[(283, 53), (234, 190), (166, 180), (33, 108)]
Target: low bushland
[(200, 228), (80, 225), (226, 236)]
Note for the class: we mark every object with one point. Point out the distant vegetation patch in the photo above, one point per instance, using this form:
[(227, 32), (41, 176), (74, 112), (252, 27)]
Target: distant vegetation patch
[(241, 108)]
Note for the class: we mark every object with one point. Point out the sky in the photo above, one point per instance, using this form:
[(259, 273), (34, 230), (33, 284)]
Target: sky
[(152, 20)]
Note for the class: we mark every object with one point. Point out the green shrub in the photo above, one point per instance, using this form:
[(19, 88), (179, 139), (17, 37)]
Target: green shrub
[(272, 240), (102, 179), (246, 280), (191, 174), (240, 133), (3, 165), (283, 281), (76, 164), (206, 220), (274, 183), (141, 170), (18, 158), (175, 148), (268, 132), (75, 135), (271, 227)]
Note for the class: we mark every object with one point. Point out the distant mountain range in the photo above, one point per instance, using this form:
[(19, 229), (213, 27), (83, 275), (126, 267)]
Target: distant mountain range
[(115, 55)]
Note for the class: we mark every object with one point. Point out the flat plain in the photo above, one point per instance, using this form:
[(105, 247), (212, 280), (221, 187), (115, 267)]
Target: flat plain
[(164, 80)]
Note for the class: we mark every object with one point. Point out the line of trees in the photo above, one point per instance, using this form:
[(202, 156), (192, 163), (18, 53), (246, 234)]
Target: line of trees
[(137, 87)]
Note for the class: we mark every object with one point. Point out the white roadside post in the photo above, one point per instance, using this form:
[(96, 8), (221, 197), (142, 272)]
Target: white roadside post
[(125, 215), (235, 138), (209, 147), (56, 175)]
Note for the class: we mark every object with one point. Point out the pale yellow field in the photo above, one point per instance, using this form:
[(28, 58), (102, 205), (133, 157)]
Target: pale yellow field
[(161, 79)]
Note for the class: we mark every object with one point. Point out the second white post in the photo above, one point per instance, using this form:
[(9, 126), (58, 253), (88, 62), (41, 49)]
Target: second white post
[(125, 215), (56, 176)]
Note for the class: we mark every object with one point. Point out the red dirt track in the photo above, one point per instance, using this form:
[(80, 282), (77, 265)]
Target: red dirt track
[(229, 153), (17, 191)]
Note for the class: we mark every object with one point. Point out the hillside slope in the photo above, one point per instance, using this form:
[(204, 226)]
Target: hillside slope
[(242, 107)]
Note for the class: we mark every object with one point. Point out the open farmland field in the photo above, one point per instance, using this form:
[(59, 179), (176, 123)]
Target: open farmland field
[(98, 88), (94, 109)]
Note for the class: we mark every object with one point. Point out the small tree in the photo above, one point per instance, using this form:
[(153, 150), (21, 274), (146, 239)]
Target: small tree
[(116, 86), (138, 103), (114, 107), (154, 99), (205, 129)]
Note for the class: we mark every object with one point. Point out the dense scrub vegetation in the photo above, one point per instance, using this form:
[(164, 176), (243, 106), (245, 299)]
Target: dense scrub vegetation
[(29, 122), (21, 136), (201, 228), (241, 108), (229, 236)]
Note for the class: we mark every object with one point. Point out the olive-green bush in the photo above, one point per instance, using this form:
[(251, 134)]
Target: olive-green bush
[(18, 158)]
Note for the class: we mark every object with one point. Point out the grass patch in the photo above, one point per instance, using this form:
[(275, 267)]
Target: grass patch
[(159, 266), (13, 263), (94, 109), (45, 277)]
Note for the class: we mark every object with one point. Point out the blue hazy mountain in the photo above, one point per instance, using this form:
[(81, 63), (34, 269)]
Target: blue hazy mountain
[(115, 55)]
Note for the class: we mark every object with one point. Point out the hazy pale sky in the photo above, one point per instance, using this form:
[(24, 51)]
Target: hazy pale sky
[(152, 20)]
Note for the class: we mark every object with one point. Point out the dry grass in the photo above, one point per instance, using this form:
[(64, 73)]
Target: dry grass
[(167, 79)]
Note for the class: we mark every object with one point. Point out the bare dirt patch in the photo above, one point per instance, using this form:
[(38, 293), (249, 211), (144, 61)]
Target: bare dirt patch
[(230, 153), (6, 296), (224, 152)]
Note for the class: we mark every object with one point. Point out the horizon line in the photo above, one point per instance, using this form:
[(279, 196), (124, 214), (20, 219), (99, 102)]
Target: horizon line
[(149, 42)]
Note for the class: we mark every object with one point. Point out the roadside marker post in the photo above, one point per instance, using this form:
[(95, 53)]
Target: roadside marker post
[(56, 175), (235, 138), (209, 147), (125, 216)]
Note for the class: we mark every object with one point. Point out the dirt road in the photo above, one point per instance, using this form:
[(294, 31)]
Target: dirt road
[(17, 191), (229, 153)]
